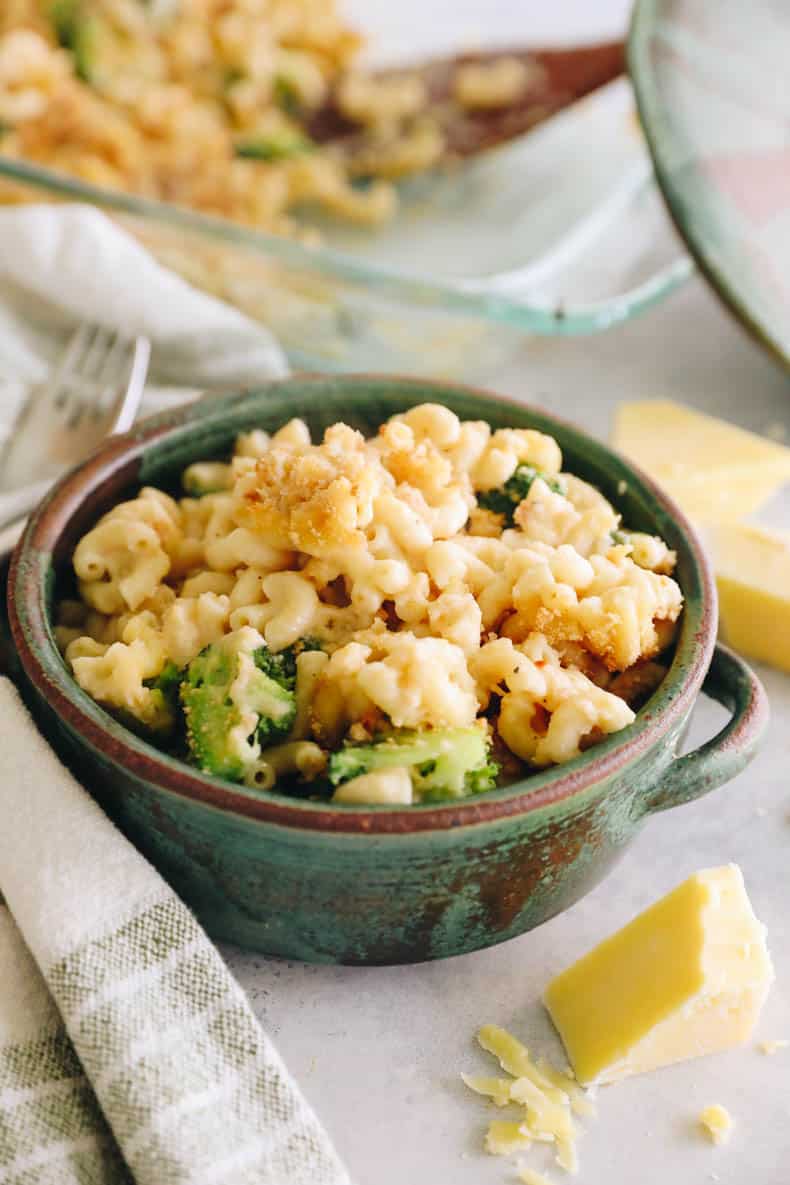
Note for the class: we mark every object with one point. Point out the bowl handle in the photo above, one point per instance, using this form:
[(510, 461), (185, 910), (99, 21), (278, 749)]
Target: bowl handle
[(732, 683)]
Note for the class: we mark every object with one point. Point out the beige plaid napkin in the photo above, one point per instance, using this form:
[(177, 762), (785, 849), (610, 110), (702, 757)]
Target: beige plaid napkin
[(128, 1053)]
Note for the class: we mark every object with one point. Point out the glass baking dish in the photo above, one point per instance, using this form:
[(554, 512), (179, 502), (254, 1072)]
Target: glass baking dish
[(560, 232)]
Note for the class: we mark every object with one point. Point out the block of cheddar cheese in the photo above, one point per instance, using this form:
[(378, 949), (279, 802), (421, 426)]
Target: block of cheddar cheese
[(752, 568), (687, 977), (716, 471)]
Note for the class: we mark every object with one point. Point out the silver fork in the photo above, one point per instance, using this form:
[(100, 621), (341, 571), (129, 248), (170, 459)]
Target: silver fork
[(94, 392)]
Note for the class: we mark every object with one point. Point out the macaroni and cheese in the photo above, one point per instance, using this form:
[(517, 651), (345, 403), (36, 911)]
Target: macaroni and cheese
[(212, 104), (396, 619)]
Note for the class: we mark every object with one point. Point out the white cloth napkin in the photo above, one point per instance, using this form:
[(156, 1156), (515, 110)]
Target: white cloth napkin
[(62, 265), (128, 1053)]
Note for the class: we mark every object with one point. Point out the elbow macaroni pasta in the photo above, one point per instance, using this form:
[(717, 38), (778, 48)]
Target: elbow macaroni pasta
[(213, 103), (429, 610)]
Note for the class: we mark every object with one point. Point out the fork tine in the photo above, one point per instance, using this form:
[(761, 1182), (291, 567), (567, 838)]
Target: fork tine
[(95, 390), (55, 389), (131, 393), (69, 395), (54, 392), (118, 348), (94, 355), (99, 366), (121, 381), (114, 370)]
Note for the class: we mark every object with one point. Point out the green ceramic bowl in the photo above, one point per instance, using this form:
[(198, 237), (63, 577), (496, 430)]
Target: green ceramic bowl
[(348, 884)]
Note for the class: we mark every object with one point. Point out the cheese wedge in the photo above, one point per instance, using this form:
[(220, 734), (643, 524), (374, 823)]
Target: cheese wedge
[(713, 469), (723, 496), (753, 576), (686, 977)]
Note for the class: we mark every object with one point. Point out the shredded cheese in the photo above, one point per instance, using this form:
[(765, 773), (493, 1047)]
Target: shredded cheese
[(717, 1122), (531, 1177), (514, 1058), (544, 1116), (771, 1047), (567, 1156), (581, 1104), (548, 1096), (505, 1137), (496, 1089)]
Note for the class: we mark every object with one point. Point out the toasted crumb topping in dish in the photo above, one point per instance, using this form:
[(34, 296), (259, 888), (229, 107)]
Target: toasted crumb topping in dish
[(414, 617)]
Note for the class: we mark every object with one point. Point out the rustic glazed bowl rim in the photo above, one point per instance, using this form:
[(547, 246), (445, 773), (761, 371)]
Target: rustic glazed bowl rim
[(117, 462)]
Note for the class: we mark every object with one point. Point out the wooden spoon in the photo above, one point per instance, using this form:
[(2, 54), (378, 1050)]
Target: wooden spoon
[(554, 78)]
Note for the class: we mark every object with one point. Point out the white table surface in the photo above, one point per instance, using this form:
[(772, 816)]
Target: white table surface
[(378, 1051)]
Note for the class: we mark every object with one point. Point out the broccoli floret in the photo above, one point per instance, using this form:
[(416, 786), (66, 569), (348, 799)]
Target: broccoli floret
[(155, 717), (167, 681), (231, 76), (232, 708), (163, 707), (443, 763), (282, 666), (283, 145), (504, 499), (76, 33), (285, 94)]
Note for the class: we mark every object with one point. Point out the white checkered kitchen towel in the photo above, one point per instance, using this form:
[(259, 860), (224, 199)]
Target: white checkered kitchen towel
[(128, 1053)]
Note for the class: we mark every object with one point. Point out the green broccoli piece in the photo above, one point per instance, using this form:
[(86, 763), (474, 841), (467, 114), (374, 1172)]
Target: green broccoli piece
[(167, 681), (504, 499), (286, 95), (164, 706), (281, 666), (76, 33), (157, 717), (443, 763), (231, 76), (282, 145), (232, 708)]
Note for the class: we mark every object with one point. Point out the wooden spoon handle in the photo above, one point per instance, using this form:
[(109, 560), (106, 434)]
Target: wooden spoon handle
[(561, 76), (556, 78)]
